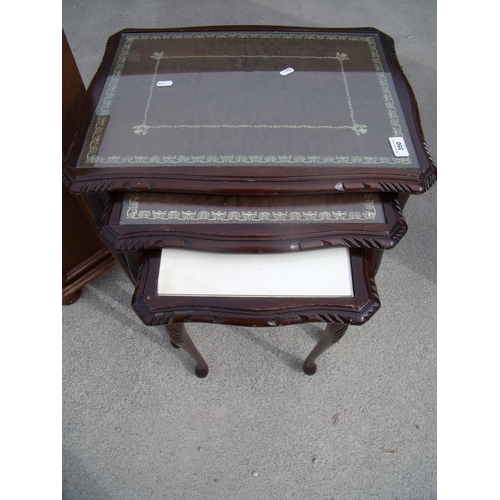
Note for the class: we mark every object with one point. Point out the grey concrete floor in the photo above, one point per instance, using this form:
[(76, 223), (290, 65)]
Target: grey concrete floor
[(137, 424)]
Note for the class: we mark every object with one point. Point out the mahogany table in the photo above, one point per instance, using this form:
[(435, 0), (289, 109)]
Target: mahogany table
[(145, 220), (237, 149)]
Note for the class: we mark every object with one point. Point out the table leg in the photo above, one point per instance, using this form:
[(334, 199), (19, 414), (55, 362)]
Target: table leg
[(333, 333), (180, 339)]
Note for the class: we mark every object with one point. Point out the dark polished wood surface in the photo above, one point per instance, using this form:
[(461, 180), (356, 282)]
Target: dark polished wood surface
[(231, 124), (251, 224)]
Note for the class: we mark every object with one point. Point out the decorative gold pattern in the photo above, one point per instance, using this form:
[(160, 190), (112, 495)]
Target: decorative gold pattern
[(251, 159), (93, 157), (234, 216)]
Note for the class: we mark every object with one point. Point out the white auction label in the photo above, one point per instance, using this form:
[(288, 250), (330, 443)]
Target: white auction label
[(286, 71), (398, 146), (165, 83)]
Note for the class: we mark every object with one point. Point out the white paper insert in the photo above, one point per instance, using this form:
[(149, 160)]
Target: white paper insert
[(398, 146), (315, 273), (165, 83)]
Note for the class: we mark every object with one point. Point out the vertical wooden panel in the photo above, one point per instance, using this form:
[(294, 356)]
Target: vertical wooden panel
[(84, 256)]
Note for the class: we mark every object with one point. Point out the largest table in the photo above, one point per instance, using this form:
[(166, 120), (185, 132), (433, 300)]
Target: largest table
[(231, 123)]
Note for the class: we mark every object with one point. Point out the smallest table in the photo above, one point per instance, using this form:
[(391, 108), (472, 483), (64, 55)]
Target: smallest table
[(334, 285)]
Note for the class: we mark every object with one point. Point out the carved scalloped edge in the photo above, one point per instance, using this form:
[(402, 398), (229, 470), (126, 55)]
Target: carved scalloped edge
[(431, 178), (92, 187), (66, 181), (333, 318), (286, 318), (96, 187), (398, 209), (357, 242), (430, 181), (374, 289), (129, 244), (428, 153), (394, 187), (158, 319), (159, 242), (352, 242), (88, 187), (398, 235), (105, 213)]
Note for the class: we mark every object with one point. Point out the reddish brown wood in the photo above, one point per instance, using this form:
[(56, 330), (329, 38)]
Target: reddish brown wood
[(252, 237), (84, 256), (181, 339), (332, 334), (72, 95), (174, 312), (69, 298), (256, 311)]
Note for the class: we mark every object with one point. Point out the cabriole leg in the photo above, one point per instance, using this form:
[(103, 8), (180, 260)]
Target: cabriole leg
[(180, 338), (333, 333)]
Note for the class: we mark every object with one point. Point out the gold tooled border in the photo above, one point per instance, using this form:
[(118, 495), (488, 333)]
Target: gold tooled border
[(134, 212), (92, 157)]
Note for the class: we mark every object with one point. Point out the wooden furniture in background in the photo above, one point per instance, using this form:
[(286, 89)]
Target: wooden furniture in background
[(84, 256)]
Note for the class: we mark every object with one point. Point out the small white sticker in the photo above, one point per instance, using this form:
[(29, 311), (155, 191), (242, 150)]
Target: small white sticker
[(398, 146), (165, 83), (286, 71)]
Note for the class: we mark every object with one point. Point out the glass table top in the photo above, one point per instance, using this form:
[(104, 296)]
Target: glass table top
[(259, 224), (164, 208), (222, 99), (216, 109)]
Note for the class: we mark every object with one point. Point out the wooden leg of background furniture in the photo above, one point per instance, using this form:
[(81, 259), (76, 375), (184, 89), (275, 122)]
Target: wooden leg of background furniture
[(180, 339), (70, 299), (333, 333)]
